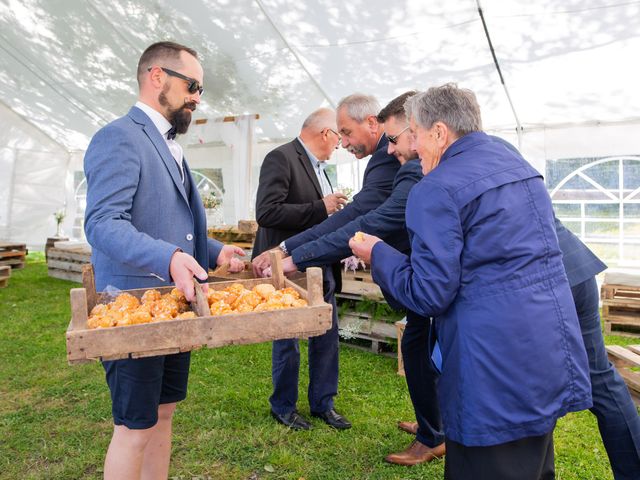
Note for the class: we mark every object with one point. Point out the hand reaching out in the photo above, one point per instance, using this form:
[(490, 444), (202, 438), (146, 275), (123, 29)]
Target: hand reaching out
[(334, 202)]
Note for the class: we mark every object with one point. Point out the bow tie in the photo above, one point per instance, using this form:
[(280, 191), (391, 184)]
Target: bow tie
[(171, 134)]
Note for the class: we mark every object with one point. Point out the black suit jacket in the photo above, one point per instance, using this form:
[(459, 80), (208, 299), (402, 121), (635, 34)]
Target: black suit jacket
[(289, 198)]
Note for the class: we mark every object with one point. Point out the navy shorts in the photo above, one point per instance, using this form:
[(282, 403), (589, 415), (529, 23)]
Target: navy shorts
[(138, 386)]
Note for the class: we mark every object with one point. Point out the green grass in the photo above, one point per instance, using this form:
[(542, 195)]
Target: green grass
[(55, 419)]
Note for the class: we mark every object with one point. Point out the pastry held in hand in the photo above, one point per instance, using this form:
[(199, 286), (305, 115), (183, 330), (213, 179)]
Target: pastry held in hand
[(358, 237)]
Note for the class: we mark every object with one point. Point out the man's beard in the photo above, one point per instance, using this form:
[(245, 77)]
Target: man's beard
[(180, 117), (357, 150)]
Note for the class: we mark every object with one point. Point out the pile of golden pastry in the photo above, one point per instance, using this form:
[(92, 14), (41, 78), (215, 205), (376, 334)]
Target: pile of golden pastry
[(263, 297), (154, 307)]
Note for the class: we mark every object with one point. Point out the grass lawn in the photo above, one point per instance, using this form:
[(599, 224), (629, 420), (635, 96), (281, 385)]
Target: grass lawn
[(55, 419)]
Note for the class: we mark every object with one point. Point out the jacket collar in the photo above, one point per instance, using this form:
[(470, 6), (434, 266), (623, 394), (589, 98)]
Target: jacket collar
[(150, 129), (464, 143)]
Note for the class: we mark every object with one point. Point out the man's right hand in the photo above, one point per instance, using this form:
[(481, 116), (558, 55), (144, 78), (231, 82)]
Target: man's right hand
[(334, 202), (183, 268)]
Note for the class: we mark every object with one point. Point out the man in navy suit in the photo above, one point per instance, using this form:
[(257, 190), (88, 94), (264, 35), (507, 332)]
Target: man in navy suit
[(362, 135), (146, 224)]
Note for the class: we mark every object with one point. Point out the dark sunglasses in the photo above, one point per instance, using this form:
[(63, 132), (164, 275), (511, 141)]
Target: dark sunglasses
[(193, 86), (394, 138)]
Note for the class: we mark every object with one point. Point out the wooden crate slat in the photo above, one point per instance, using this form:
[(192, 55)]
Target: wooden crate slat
[(15, 263), (623, 356), (65, 275), (4, 282), (625, 360), (13, 246), (68, 266)]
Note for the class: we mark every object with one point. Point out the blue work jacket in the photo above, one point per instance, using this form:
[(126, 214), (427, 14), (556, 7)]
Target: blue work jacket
[(485, 263)]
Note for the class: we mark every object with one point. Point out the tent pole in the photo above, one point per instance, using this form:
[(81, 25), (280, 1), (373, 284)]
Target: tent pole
[(295, 54), (504, 85)]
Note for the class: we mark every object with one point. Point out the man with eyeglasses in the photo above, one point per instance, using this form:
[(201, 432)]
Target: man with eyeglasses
[(294, 193), (147, 226)]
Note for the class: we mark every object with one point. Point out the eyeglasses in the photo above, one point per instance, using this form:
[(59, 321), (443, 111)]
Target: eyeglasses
[(336, 134), (394, 138), (193, 86)]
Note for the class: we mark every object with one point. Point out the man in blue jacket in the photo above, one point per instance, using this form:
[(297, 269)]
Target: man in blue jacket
[(147, 226), (485, 262)]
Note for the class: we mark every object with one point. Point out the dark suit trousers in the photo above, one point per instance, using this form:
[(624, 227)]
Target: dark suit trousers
[(323, 364), (617, 416), (418, 340)]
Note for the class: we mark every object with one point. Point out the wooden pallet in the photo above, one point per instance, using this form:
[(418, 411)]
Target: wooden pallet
[(627, 361), (360, 284), (5, 273), (376, 334), (172, 336), (621, 308), (13, 254), (65, 261)]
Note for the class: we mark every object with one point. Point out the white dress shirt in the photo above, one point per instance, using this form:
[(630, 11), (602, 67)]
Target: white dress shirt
[(318, 168), (163, 126)]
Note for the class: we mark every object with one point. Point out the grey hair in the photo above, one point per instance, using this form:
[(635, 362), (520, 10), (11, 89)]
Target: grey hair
[(456, 107), (320, 119), (359, 106)]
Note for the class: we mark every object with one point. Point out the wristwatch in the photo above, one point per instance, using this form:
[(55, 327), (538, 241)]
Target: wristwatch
[(283, 247)]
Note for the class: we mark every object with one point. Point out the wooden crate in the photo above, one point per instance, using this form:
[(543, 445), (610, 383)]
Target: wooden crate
[(5, 273), (66, 259), (174, 336), (13, 254), (626, 360), (360, 284), (621, 308)]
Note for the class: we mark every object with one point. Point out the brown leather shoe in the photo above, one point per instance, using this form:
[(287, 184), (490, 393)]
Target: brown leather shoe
[(415, 454), (409, 427)]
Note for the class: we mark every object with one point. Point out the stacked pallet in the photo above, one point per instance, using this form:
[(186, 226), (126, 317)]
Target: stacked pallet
[(66, 259), (627, 361), (359, 285), (13, 254), (5, 273), (620, 296), (241, 238)]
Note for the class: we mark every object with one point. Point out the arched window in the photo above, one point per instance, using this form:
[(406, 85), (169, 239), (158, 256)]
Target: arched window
[(600, 202)]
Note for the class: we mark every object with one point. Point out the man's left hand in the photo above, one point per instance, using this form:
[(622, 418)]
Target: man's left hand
[(362, 249), (226, 256), (261, 263), (288, 266)]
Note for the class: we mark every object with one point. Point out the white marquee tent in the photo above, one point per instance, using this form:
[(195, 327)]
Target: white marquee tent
[(570, 70)]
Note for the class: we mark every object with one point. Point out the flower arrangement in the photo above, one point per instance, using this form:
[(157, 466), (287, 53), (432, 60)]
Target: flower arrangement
[(209, 200), (59, 217)]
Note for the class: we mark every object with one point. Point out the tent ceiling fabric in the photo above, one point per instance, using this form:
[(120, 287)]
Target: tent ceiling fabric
[(69, 67)]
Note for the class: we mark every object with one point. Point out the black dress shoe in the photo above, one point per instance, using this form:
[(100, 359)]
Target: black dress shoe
[(333, 419), (292, 420)]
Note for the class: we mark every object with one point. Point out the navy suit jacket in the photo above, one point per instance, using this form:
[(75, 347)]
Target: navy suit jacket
[(580, 263), (387, 222), (377, 184), (138, 213)]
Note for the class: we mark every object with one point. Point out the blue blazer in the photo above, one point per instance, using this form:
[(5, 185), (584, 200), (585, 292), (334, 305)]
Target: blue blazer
[(138, 213), (580, 263), (386, 222), (485, 262), (377, 184)]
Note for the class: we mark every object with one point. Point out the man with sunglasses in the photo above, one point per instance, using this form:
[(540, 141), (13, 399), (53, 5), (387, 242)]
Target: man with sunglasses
[(147, 226)]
